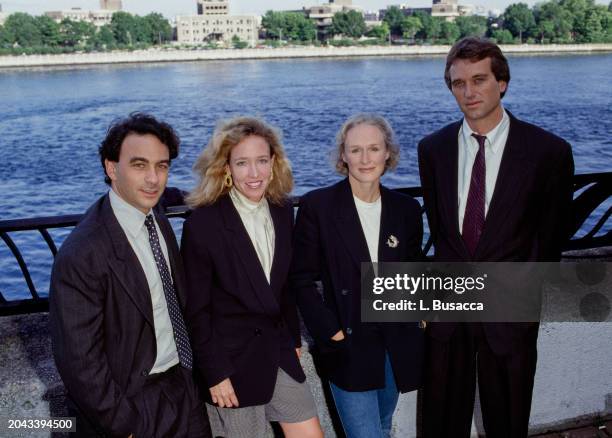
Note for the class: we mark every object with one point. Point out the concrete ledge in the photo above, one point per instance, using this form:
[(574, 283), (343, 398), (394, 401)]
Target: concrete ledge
[(175, 55)]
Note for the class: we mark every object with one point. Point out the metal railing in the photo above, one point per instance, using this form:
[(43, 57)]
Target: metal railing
[(592, 191)]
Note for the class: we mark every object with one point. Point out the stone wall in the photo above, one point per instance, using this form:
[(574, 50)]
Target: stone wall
[(173, 55)]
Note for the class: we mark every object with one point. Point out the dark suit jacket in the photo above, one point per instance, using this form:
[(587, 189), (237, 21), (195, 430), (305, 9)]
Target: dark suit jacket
[(241, 326), (329, 246), (101, 319), (528, 215)]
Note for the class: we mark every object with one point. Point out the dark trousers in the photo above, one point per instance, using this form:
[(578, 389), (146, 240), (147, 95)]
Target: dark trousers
[(168, 406), (505, 385)]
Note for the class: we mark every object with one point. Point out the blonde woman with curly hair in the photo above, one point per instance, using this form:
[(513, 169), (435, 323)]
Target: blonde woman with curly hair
[(236, 247), (337, 228)]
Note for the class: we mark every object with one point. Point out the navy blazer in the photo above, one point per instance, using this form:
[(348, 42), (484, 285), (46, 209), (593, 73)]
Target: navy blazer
[(329, 246), (241, 326), (101, 319), (528, 218)]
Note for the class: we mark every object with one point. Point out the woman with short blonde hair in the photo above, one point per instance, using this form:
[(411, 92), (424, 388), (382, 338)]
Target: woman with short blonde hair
[(236, 248), (338, 228)]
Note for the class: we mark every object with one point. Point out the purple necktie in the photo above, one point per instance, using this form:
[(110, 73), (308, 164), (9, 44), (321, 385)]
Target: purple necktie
[(474, 218)]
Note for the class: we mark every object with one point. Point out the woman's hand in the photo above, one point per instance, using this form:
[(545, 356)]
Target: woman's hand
[(223, 394), (338, 336)]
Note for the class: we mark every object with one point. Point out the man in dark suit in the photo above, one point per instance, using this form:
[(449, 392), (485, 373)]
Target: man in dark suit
[(495, 189), (119, 339)]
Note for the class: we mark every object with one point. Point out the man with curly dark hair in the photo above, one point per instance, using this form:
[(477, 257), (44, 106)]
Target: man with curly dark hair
[(116, 301)]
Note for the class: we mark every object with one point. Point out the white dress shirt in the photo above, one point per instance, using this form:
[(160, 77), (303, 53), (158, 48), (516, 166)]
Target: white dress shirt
[(369, 216), (258, 223), (494, 150), (132, 221)]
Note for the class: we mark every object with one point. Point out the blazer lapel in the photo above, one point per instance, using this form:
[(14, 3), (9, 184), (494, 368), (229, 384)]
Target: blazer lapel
[(282, 250), (176, 266), (512, 172), (243, 248), (388, 226), (126, 266), (449, 163), (348, 225)]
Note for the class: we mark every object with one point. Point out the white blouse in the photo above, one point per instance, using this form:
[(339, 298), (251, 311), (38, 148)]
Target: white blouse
[(258, 223)]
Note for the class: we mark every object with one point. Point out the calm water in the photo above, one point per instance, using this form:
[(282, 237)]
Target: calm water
[(51, 121)]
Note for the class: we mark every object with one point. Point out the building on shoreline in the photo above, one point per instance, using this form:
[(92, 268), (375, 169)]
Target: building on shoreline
[(99, 17), (3, 16), (323, 15), (214, 23)]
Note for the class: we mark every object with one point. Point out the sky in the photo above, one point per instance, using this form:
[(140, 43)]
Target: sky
[(172, 8)]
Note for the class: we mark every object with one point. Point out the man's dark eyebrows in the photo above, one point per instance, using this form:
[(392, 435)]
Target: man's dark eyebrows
[(135, 159)]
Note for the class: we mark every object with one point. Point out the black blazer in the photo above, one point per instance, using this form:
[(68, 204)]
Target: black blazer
[(241, 326), (101, 319), (528, 216), (329, 246)]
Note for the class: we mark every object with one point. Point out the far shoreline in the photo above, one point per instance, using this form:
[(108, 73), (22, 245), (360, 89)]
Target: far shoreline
[(187, 55)]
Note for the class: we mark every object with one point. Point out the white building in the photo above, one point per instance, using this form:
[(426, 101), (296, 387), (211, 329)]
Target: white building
[(100, 17), (447, 9), (214, 23)]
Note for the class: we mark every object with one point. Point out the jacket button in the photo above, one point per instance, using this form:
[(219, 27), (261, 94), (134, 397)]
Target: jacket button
[(257, 332), (144, 373), (344, 292), (349, 330)]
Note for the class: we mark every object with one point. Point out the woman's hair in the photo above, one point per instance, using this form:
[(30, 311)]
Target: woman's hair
[(370, 119), (211, 164)]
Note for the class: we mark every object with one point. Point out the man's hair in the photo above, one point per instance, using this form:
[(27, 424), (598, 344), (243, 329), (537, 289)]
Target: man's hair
[(476, 49), (140, 124)]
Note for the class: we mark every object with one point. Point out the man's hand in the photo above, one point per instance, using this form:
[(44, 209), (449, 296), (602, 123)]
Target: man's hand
[(223, 394), (298, 351), (338, 336)]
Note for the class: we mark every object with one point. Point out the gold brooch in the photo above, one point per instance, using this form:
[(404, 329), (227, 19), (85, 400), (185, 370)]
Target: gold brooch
[(392, 241)]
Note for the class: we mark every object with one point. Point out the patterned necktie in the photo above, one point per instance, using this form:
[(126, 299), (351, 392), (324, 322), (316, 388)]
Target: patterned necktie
[(181, 338), (474, 218)]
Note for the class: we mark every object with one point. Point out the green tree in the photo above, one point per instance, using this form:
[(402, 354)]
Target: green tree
[(394, 19), (6, 39), (577, 11), (49, 31), (123, 26), (518, 19), (291, 26), (75, 33), (410, 26), (449, 31), (160, 28), (554, 23), (502, 36), (349, 23), (431, 26), (380, 32), (595, 23), (237, 43), (471, 25), (104, 38), (24, 29)]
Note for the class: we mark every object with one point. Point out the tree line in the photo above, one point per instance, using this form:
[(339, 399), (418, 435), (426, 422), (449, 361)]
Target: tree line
[(554, 21), (24, 33)]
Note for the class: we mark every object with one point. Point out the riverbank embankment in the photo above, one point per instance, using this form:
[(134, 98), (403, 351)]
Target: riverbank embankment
[(185, 55)]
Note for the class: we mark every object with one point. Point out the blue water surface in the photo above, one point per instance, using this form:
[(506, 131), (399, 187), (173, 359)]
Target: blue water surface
[(52, 121)]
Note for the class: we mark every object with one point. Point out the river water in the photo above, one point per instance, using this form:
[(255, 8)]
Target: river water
[(52, 121)]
